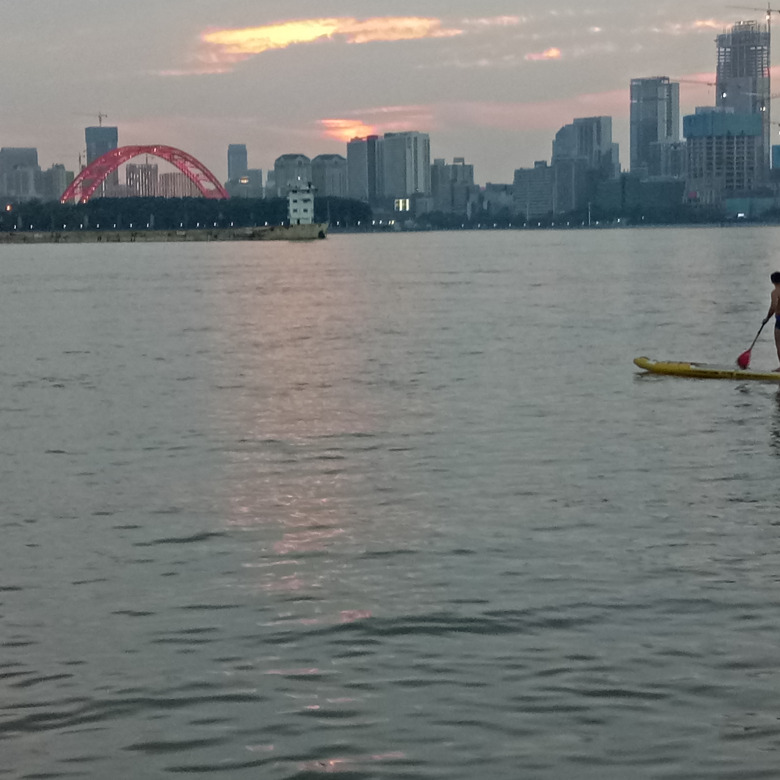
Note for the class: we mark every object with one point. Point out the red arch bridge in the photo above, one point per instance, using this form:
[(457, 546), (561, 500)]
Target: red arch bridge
[(87, 182)]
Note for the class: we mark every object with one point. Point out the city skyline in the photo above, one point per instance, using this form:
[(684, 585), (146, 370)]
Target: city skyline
[(492, 85)]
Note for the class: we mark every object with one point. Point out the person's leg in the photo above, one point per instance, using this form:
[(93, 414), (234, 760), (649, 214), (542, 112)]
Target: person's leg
[(777, 341)]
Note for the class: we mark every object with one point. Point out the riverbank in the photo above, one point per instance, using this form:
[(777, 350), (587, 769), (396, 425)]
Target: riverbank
[(318, 230)]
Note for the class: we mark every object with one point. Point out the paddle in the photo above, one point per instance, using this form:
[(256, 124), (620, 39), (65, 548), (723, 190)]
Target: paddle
[(743, 361)]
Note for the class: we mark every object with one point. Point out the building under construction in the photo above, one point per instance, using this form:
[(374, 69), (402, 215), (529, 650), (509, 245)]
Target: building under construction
[(743, 81)]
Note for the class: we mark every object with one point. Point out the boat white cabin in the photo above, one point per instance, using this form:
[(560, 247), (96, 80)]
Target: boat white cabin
[(300, 205)]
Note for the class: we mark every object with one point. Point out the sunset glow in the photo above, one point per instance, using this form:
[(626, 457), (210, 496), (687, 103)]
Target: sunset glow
[(347, 129), (547, 54), (377, 120), (229, 46)]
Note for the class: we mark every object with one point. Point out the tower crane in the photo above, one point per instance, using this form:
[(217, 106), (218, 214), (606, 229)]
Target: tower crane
[(100, 116), (696, 81), (768, 11)]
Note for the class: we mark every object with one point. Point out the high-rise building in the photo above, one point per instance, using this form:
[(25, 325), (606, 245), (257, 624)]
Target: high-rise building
[(498, 200), (250, 185), (406, 164), (329, 175), (724, 154), (452, 186), (743, 77), (237, 161), (583, 155), (101, 140), (667, 160), (17, 157), (290, 171), (176, 185), (142, 180), (19, 173), (365, 169), (54, 182), (590, 138), (655, 119), (270, 184), (533, 190)]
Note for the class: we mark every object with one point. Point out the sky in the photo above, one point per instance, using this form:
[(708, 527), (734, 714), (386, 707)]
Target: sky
[(489, 80)]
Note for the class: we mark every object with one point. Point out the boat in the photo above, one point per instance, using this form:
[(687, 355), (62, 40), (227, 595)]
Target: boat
[(704, 370)]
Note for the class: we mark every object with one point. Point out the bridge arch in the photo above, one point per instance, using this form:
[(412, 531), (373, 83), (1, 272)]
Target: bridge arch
[(84, 185)]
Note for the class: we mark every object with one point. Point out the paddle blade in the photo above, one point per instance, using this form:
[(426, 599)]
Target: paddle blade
[(743, 361)]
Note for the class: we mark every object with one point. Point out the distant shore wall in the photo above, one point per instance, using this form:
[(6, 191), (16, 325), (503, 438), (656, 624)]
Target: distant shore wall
[(267, 233)]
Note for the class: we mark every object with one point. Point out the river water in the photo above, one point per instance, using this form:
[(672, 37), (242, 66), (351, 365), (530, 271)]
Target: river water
[(391, 506)]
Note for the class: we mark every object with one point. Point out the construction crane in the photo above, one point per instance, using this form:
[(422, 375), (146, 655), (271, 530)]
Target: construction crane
[(768, 11), (696, 81), (100, 116)]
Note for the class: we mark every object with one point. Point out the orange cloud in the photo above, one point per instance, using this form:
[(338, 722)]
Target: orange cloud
[(347, 129), (378, 120), (222, 48), (709, 24), (547, 54)]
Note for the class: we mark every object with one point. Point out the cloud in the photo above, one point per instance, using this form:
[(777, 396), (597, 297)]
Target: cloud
[(495, 21), (221, 49), (548, 54), (538, 115), (708, 24), (346, 129), (378, 120), (696, 26)]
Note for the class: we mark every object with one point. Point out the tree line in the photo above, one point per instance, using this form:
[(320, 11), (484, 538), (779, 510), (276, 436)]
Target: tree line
[(172, 213)]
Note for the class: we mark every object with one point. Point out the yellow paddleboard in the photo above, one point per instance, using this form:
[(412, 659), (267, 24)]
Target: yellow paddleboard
[(703, 370)]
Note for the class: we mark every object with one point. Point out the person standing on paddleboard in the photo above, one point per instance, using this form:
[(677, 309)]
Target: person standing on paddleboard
[(774, 309)]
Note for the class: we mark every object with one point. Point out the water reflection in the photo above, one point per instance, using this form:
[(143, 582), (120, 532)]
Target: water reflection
[(294, 400)]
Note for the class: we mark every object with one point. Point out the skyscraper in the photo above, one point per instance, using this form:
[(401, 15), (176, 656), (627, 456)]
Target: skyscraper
[(590, 138), (655, 119), (101, 140), (407, 164), (583, 155), (364, 168), (237, 161), (743, 80)]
